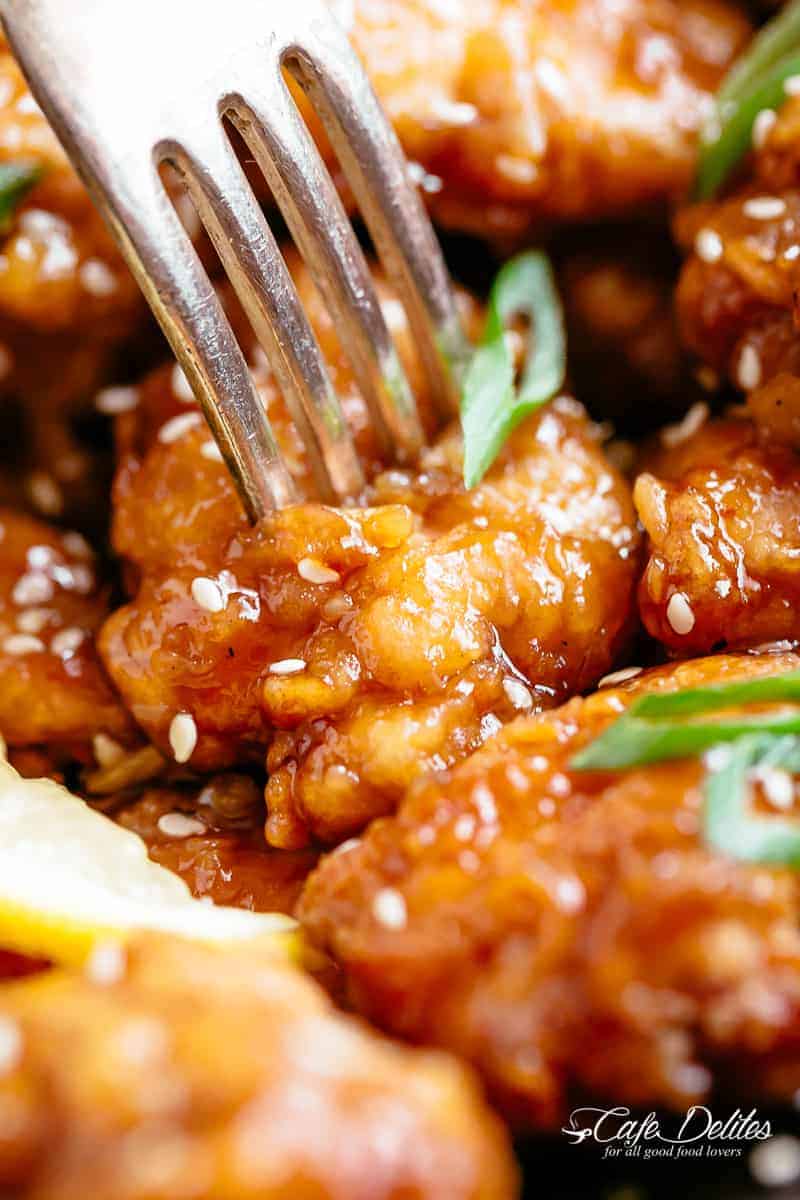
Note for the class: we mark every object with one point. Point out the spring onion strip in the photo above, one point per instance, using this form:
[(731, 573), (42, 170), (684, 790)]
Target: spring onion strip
[(729, 826)]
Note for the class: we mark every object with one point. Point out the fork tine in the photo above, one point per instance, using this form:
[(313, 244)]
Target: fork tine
[(165, 263), (277, 136), (328, 69), (256, 268)]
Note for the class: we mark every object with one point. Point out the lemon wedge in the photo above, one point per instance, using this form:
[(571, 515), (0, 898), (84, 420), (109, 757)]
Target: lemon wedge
[(71, 879)]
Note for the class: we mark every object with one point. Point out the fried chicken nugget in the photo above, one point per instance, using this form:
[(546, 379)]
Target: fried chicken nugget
[(224, 1075), (571, 933), (722, 514), (366, 645), (53, 689)]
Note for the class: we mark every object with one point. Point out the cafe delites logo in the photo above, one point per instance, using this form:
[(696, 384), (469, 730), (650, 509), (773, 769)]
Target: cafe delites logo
[(698, 1134)]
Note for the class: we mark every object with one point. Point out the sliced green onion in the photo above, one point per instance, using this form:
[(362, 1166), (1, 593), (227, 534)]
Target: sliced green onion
[(728, 825), (631, 741), (16, 180), (718, 696), (492, 405), (779, 37), (731, 137)]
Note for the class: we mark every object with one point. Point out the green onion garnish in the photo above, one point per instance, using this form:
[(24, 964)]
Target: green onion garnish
[(728, 825), (652, 731), (16, 180), (755, 82), (492, 405)]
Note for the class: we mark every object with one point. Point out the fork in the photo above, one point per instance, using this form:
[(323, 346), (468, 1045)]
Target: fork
[(130, 87)]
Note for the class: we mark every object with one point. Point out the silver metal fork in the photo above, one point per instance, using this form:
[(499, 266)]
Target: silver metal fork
[(128, 87)]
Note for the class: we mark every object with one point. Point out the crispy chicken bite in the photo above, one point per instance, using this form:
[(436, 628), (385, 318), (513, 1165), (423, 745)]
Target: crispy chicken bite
[(223, 1075), (522, 113), (571, 933), (366, 645), (721, 510), (53, 690)]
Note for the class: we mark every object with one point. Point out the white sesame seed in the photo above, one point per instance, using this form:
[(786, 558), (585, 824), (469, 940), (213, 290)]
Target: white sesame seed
[(115, 400), (748, 370), (97, 278), (178, 825), (34, 587), (45, 494), (211, 451), (777, 785), (181, 386), (762, 126), (679, 614), (76, 544), (107, 751), (40, 556), (776, 1163), (764, 208), (66, 641), (22, 643), (78, 577), (33, 620), (178, 426), (288, 666), (207, 594), (337, 607), (791, 86), (106, 964), (792, 252), (314, 571), (617, 677), (389, 909), (708, 245), (518, 695), (682, 431), (455, 113), (182, 736), (11, 1044)]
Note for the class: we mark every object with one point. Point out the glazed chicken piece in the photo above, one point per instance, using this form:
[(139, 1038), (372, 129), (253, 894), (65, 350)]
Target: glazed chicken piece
[(213, 837), (361, 646), (521, 113), (224, 1075), (736, 300), (53, 689), (569, 933), (721, 509)]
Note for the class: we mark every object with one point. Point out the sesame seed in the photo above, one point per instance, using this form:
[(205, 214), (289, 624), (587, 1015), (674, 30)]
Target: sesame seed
[(764, 208), (45, 494), (32, 588), (178, 426), (33, 620), (207, 594), (76, 544), (708, 246), (617, 677), (682, 431), (178, 825), (66, 641), (792, 252), (679, 614), (518, 695), (389, 909), (106, 964), (776, 1163), (22, 643), (791, 86), (212, 452), (777, 785), (114, 400), (182, 736), (288, 666), (181, 386), (107, 751), (10, 1044), (314, 571), (455, 113), (337, 607), (97, 278), (40, 556), (517, 170), (748, 370), (762, 126)]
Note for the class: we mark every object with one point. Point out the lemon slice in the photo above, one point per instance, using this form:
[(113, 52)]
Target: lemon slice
[(70, 878)]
